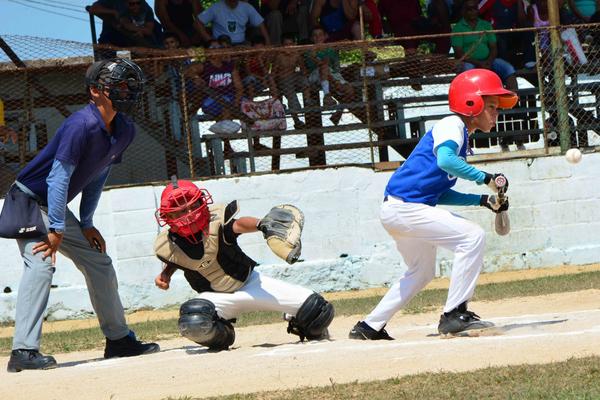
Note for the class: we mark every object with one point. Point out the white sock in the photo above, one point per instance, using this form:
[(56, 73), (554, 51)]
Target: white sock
[(325, 87)]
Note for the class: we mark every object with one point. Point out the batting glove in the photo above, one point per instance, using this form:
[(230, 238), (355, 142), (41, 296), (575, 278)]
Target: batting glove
[(493, 203), (490, 180)]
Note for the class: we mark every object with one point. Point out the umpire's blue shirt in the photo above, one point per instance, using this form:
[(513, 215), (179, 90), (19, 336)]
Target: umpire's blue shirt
[(83, 141)]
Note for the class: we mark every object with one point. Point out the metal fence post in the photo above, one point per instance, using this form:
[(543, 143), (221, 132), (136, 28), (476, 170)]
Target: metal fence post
[(558, 67), (186, 122)]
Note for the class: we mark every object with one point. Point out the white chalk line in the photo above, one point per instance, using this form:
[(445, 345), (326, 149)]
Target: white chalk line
[(523, 319), (370, 346), (343, 344)]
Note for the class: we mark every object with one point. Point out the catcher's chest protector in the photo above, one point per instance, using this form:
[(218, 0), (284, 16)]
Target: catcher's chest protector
[(208, 266)]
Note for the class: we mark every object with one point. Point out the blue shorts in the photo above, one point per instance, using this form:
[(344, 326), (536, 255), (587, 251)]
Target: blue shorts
[(214, 108), (503, 68)]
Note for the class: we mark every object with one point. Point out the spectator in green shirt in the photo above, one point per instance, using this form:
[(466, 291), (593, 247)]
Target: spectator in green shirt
[(479, 50)]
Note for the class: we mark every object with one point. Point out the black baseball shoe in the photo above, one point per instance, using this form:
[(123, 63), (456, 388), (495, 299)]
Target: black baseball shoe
[(362, 331), (29, 359), (128, 346), (460, 321)]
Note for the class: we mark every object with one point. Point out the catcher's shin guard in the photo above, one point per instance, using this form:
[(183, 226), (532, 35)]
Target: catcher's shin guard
[(199, 322), (312, 319)]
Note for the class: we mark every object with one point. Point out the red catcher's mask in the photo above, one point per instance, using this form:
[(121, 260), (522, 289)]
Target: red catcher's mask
[(184, 207)]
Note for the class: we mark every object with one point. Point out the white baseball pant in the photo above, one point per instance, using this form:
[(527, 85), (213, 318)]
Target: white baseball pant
[(418, 229), (260, 293)]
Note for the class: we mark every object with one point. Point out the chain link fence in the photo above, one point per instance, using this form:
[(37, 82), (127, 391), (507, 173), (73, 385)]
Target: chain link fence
[(243, 110), (569, 75)]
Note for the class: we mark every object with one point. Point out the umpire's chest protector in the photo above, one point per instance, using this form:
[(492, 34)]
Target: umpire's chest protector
[(208, 266)]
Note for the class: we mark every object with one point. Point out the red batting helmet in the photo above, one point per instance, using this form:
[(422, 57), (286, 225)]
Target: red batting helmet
[(467, 89), (184, 207)]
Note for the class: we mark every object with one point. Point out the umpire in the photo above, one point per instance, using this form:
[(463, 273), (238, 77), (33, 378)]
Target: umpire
[(77, 160)]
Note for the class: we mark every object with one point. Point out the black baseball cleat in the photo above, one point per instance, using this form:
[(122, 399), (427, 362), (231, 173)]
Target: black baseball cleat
[(460, 321), (29, 359), (128, 346), (362, 331)]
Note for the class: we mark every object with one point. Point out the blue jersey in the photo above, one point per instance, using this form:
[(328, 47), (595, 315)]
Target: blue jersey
[(419, 179), (83, 141)]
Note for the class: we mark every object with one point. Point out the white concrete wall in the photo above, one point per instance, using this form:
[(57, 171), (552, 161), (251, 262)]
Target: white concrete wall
[(554, 216)]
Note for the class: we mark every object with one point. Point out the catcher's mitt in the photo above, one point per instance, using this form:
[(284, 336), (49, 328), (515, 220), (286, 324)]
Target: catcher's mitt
[(282, 228)]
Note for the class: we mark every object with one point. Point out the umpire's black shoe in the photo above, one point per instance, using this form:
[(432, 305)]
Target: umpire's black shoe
[(460, 320), (362, 331), (29, 359), (128, 346)]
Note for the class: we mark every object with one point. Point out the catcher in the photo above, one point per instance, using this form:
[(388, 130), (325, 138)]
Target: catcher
[(202, 241)]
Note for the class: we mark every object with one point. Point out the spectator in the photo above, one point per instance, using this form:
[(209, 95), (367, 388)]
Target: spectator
[(138, 23), (336, 17), (583, 10), (7, 175), (371, 18), (217, 84), (290, 72), (438, 18), (230, 17), (400, 19), (171, 76), (256, 76), (179, 17), (480, 51), (514, 47), (171, 41), (6, 132), (286, 16), (109, 11), (323, 67)]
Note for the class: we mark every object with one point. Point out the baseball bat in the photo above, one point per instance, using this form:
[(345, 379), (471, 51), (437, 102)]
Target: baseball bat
[(502, 222)]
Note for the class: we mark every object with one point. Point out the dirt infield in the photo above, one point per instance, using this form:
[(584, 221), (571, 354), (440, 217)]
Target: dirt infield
[(502, 276), (532, 330)]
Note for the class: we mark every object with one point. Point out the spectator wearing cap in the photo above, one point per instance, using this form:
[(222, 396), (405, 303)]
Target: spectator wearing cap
[(179, 17), (230, 17), (77, 160)]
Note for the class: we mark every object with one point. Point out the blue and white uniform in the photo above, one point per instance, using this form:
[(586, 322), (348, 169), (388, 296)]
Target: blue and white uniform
[(410, 216)]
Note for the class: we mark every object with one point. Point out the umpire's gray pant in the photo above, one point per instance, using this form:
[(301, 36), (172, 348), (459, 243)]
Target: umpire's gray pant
[(34, 288)]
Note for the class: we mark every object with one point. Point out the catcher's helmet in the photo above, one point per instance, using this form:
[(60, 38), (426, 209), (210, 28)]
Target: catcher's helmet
[(467, 89), (184, 207), (122, 78)]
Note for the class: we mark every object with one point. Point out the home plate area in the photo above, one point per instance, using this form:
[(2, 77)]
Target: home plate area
[(267, 358)]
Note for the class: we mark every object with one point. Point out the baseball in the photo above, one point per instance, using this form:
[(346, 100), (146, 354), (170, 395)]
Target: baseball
[(573, 156)]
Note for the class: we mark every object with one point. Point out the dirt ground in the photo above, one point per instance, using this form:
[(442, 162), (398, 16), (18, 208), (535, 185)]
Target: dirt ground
[(530, 330), (151, 315)]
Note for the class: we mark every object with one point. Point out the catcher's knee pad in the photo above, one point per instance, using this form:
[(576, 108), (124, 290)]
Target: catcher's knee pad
[(312, 319), (199, 322)]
